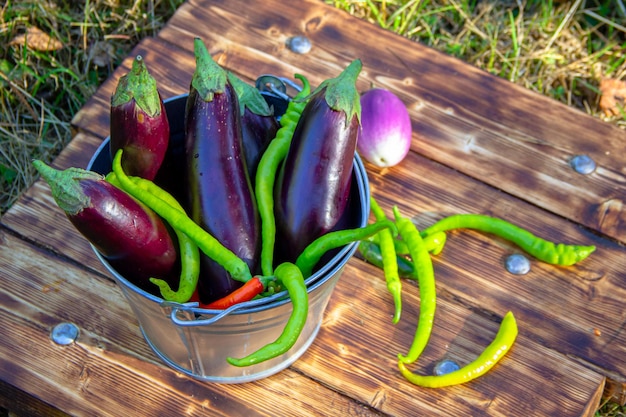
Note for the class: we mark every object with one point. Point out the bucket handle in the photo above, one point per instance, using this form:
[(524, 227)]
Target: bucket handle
[(191, 310), (178, 308)]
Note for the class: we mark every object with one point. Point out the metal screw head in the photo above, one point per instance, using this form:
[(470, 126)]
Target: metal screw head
[(517, 264), (299, 44), (583, 164), (445, 367), (64, 333)]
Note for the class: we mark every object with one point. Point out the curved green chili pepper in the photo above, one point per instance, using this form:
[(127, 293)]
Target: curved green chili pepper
[(292, 279), (435, 243), (311, 255), (500, 345), (189, 254), (235, 266), (426, 281), (390, 261), (546, 251), (266, 173), (371, 253)]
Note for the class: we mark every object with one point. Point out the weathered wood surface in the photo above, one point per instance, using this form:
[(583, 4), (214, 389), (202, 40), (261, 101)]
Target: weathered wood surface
[(349, 370), (481, 145)]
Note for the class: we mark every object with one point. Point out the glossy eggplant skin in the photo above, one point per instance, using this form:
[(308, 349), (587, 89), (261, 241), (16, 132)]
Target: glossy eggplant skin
[(144, 139), (257, 132), (139, 123), (313, 183), (219, 187), (133, 238)]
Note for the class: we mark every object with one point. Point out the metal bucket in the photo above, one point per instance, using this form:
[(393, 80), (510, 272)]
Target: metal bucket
[(197, 341)]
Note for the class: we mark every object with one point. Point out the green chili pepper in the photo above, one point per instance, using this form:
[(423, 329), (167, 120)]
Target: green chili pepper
[(390, 261), (291, 277), (371, 253), (426, 281), (189, 254), (266, 173), (435, 243), (549, 252), (235, 266), (500, 345), (311, 255)]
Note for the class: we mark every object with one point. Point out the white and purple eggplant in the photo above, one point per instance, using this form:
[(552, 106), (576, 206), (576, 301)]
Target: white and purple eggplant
[(385, 135)]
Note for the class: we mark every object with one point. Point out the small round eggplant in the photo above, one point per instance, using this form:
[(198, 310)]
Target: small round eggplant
[(130, 236), (385, 135)]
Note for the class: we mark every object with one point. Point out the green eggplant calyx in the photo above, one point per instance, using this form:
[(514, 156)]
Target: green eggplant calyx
[(65, 186), (139, 85), (341, 92), (209, 77), (249, 97)]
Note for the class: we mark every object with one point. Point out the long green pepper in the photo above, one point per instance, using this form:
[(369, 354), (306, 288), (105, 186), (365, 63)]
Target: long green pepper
[(426, 281), (292, 279), (211, 247), (370, 252), (390, 261), (312, 254), (267, 169), (501, 344), (546, 251)]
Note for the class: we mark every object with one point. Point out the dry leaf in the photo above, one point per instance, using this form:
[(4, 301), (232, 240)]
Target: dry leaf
[(613, 96), (38, 40)]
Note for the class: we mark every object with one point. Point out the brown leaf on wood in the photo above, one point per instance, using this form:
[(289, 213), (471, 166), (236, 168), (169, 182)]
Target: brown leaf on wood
[(613, 99), (38, 40)]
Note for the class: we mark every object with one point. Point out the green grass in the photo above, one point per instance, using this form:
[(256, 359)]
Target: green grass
[(40, 91), (561, 49)]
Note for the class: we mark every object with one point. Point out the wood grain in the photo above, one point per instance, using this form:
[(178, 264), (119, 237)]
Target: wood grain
[(350, 370), (110, 370), (480, 145)]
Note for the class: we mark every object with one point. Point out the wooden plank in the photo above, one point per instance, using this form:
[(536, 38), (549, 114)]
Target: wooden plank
[(362, 343), (18, 403), (350, 369), (477, 123), (567, 314), (110, 370)]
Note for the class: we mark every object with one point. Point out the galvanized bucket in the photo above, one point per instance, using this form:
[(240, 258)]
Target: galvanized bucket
[(197, 341)]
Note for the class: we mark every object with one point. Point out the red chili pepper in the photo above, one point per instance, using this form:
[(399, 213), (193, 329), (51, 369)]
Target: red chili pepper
[(246, 292)]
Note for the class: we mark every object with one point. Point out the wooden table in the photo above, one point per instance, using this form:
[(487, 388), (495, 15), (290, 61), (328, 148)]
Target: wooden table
[(480, 145)]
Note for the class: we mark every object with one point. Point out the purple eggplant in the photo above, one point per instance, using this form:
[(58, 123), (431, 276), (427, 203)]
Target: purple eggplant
[(132, 238), (139, 123), (221, 195), (313, 184), (259, 125)]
